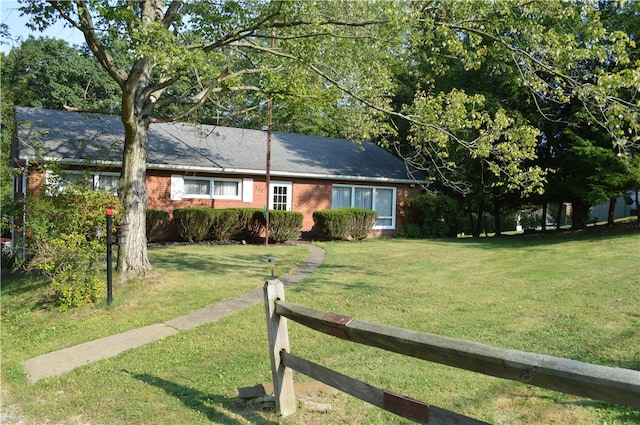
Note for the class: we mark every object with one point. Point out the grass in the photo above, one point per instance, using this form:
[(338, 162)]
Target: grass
[(574, 295)]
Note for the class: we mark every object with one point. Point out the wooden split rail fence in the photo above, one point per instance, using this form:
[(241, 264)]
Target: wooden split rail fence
[(609, 384)]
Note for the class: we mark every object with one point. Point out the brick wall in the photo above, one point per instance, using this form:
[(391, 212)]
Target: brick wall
[(308, 196)]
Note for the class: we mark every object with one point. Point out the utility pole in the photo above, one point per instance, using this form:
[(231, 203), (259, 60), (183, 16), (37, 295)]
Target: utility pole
[(268, 173)]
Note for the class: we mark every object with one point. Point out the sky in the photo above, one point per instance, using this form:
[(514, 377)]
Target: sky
[(10, 15)]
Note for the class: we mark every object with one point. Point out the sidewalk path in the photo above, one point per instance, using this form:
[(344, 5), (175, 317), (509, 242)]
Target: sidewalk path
[(67, 359)]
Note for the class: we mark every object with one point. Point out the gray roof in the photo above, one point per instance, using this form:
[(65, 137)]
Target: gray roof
[(73, 137)]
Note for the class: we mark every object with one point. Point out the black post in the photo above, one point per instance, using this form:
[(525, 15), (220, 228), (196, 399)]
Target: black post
[(109, 244)]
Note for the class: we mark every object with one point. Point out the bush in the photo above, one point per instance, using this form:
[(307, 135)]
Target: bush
[(193, 224), (285, 225), (332, 224), (226, 223), (62, 242), (410, 231), (362, 222), (156, 223), (250, 221), (344, 223), (436, 214)]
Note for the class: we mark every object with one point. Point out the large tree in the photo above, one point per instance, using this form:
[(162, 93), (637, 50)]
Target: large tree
[(172, 59), (484, 76), (48, 73)]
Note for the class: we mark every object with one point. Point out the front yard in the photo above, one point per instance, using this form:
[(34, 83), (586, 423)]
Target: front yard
[(574, 295)]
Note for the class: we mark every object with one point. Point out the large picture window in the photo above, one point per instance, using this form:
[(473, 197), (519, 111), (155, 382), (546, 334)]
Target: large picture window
[(379, 199)]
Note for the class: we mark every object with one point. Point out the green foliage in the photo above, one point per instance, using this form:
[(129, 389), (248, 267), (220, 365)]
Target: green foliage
[(48, 73), (410, 231), (228, 222), (62, 242), (283, 225), (362, 222), (193, 224), (198, 224), (344, 223), (482, 82), (436, 214), (157, 221), (332, 225)]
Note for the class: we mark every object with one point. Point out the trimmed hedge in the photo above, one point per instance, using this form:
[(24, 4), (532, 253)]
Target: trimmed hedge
[(193, 224), (225, 224), (285, 225), (362, 222), (332, 224), (344, 223), (197, 224)]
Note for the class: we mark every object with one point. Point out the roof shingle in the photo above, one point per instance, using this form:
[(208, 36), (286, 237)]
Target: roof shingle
[(73, 137)]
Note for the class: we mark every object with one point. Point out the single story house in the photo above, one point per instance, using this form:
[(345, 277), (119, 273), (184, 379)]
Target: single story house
[(193, 165)]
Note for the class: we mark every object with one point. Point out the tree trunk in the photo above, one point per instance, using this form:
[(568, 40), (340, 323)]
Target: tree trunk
[(579, 214), (545, 208), (611, 216), (498, 218), (478, 228), (132, 188)]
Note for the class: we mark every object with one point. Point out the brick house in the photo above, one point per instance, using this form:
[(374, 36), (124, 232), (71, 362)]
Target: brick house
[(218, 167)]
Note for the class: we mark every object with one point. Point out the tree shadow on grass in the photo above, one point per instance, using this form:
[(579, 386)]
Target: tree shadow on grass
[(205, 403)]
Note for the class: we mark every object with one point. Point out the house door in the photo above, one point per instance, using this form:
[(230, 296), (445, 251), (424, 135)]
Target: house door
[(280, 194)]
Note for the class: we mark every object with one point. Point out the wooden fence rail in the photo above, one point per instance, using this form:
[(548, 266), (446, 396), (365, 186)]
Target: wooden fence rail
[(614, 385)]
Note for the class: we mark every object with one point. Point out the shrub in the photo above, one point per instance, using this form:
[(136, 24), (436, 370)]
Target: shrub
[(226, 223), (285, 225), (250, 221), (62, 242), (344, 223), (156, 223), (332, 224), (410, 231), (437, 214), (193, 224), (362, 222)]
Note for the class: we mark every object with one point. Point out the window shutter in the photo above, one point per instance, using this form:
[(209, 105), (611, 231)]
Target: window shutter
[(177, 187), (247, 190)]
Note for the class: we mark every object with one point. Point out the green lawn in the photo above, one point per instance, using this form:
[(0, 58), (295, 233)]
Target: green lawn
[(574, 295)]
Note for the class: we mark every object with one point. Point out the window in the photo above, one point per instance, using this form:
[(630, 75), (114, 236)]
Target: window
[(379, 199), (106, 182), (207, 188), (280, 199), (197, 188), (95, 180)]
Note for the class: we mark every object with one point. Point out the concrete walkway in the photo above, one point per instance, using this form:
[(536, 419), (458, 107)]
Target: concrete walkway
[(67, 359)]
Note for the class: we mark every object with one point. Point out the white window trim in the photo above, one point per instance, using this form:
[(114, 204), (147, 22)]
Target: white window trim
[(178, 192), (192, 196), (353, 188), (288, 185)]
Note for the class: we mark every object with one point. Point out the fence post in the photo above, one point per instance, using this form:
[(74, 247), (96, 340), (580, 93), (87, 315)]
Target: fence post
[(278, 341)]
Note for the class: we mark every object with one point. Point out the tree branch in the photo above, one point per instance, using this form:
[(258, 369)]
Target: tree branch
[(85, 25)]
